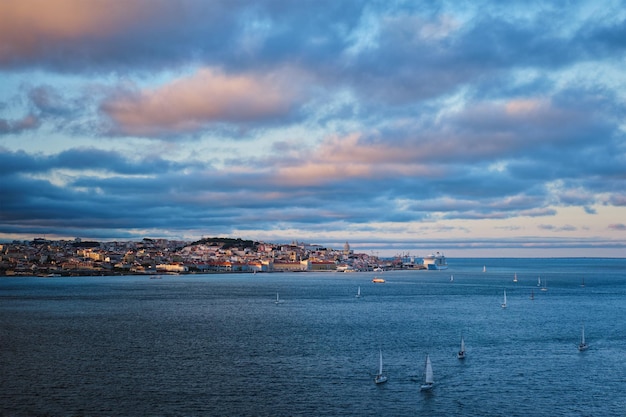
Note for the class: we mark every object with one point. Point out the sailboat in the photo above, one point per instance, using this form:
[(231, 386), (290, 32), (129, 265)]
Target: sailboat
[(461, 353), (358, 292), (278, 300), (484, 268), (583, 345), (545, 286), (582, 284), (380, 378), (504, 300), (539, 281), (451, 278), (428, 376), (515, 277)]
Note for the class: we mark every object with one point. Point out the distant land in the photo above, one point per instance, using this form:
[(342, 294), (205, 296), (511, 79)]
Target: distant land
[(51, 258)]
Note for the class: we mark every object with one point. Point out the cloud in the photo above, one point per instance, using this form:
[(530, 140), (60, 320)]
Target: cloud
[(394, 51), (48, 109), (330, 118), (617, 227), (553, 228), (419, 54), (618, 199), (67, 30), (48, 101), (207, 97), (98, 37), (28, 122), (84, 159)]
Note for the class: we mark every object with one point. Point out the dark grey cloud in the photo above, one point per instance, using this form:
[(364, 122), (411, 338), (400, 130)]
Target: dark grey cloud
[(20, 162)]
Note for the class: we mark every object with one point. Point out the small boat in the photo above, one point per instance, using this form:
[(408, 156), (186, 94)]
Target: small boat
[(539, 281), (278, 300), (545, 286), (358, 292), (582, 284), (515, 277), (583, 345), (504, 300), (380, 378), (461, 353), (451, 278), (428, 376), (484, 268), (377, 280)]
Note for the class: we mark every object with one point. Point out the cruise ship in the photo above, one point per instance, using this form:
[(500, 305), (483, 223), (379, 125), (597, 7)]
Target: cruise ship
[(435, 261)]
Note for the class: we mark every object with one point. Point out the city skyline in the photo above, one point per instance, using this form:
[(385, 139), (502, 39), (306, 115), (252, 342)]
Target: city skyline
[(482, 129)]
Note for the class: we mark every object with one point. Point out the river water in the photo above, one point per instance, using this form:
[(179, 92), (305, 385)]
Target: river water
[(219, 345)]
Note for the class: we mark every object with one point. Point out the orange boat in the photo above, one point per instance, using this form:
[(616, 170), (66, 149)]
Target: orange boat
[(378, 280)]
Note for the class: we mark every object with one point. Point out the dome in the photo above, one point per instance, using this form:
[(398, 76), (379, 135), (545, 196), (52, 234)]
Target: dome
[(346, 248)]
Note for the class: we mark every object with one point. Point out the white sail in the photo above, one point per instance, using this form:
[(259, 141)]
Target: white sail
[(582, 339), (504, 300), (380, 378), (428, 372), (461, 352), (358, 292), (428, 376), (583, 345), (515, 277)]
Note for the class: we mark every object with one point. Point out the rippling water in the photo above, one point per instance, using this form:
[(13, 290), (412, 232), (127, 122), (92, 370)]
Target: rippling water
[(219, 345)]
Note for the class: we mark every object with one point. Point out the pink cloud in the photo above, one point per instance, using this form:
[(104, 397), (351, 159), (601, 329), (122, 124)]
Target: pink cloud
[(526, 107), (29, 28), (28, 122), (351, 157), (208, 96)]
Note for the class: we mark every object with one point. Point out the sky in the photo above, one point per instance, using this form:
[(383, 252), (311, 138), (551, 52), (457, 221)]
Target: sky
[(475, 128)]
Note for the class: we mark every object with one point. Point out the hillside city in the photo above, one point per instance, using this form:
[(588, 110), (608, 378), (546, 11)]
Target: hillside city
[(49, 258)]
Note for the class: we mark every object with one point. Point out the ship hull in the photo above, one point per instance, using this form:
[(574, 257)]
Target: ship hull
[(435, 262)]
